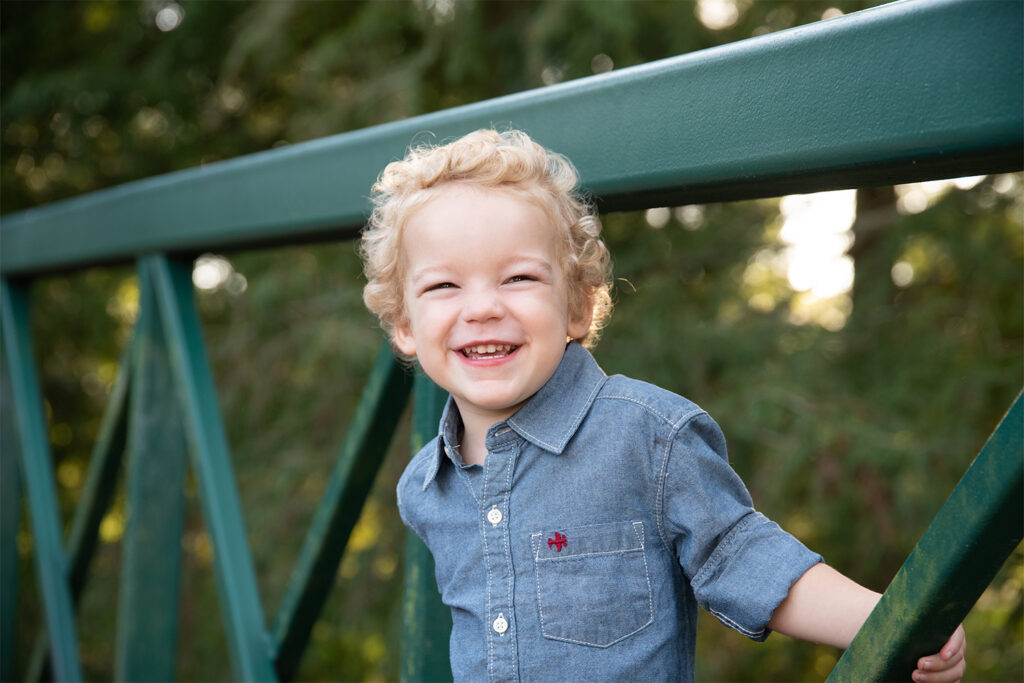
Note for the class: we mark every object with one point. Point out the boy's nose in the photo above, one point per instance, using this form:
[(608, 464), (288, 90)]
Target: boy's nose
[(482, 305)]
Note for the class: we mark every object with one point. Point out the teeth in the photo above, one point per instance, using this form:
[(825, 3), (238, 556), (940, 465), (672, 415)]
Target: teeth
[(480, 349)]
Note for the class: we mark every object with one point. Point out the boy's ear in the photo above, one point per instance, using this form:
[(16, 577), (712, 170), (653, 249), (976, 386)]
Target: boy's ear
[(579, 321), (404, 339)]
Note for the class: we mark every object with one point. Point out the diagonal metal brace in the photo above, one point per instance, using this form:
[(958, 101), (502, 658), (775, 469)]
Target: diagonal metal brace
[(955, 560)]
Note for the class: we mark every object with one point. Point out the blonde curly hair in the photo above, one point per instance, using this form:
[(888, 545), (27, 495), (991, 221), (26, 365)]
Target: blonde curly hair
[(509, 161)]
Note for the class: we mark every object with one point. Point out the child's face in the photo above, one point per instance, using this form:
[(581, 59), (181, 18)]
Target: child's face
[(486, 299)]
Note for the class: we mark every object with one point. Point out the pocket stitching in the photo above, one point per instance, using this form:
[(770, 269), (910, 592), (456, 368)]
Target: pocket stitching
[(583, 556), (535, 538)]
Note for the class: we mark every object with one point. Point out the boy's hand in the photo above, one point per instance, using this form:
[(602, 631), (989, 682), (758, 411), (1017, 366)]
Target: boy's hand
[(824, 606), (946, 666)]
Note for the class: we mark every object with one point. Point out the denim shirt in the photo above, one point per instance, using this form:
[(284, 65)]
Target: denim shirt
[(605, 512)]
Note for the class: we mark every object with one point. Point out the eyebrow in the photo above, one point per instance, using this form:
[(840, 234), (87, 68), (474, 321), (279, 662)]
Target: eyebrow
[(442, 271), (428, 272), (543, 264)]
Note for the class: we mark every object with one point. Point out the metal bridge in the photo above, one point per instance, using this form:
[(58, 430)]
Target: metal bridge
[(911, 91)]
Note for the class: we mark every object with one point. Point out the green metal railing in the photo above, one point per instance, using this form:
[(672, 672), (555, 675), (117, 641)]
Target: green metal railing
[(911, 91)]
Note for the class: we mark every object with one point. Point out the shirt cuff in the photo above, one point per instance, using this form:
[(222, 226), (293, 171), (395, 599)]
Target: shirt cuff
[(750, 573)]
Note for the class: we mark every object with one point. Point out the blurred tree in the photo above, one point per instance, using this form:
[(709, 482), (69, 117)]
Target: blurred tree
[(872, 420)]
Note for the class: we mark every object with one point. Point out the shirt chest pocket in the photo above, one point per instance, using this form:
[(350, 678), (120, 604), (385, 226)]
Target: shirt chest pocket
[(593, 586)]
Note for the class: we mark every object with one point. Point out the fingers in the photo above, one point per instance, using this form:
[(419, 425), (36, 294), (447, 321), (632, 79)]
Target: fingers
[(951, 675), (946, 667), (956, 643)]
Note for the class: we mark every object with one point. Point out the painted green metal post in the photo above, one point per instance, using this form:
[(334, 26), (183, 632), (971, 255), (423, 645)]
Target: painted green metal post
[(426, 621), (147, 624), (247, 638), (369, 436), (961, 551), (10, 521), (94, 501), (101, 479), (37, 469)]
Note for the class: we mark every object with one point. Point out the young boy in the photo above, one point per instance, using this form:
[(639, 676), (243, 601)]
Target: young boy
[(576, 520)]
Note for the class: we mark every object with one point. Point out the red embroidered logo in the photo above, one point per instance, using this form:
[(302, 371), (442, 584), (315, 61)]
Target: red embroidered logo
[(558, 542)]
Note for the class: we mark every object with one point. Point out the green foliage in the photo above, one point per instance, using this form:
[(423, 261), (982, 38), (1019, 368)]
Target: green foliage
[(850, 437)]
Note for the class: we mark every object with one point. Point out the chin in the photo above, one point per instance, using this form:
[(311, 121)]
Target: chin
[(498, 404)]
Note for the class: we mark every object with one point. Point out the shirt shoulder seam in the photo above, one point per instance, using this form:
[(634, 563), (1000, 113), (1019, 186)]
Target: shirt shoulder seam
[(659, 509), (686, 415)]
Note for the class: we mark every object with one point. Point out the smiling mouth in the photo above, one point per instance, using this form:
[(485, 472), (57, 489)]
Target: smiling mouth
[(488, 351)]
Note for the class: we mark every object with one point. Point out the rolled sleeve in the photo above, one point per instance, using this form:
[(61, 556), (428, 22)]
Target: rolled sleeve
[(749, 573), (740, 564)]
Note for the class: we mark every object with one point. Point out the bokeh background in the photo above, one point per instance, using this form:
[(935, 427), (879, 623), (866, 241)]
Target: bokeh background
[(857, 347)]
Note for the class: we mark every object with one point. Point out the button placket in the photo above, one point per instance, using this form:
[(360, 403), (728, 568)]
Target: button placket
[(502, 644)]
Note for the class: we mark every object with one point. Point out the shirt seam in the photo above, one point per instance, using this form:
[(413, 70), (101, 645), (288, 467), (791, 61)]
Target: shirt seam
[(682, 419), (583, 556), (633, 524), (638, 402), (506, 532), (732, 624), (489, 623), (659, 508)]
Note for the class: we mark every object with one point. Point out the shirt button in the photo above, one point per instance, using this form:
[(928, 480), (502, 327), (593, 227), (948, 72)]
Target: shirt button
[(500, 625), (494, 516)]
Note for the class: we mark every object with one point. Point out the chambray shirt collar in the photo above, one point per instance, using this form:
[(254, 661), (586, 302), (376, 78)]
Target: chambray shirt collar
[(553, 415), (447, 442), (548, 420)]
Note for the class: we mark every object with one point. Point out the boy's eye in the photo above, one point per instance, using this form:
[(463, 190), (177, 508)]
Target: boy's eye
[(439, 285), (521, 278)]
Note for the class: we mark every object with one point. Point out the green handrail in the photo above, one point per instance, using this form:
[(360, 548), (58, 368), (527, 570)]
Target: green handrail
[(909, 91)]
